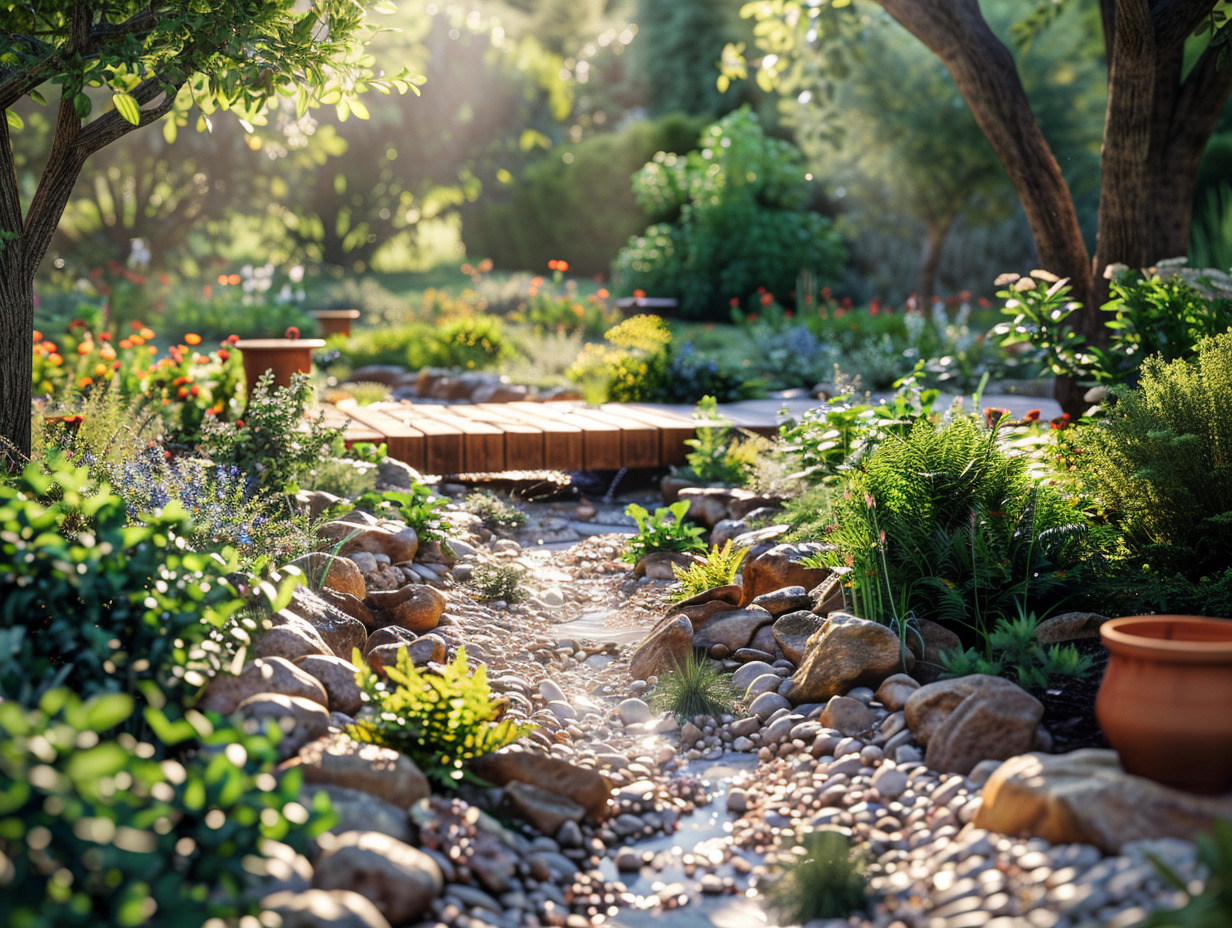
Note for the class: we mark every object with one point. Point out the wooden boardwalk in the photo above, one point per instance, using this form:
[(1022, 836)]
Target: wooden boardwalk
[(492, 437)]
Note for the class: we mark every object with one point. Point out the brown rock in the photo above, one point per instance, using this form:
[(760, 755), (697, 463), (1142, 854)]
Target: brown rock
[(400, 880), (345, 602), (346, 538), (793, 631), (341, 633), (383, 772), (338, 678), (1086, 798), (745, 502), (1069, 626), (360, 811), (301, 720), (588, 788), (416, 607), (544, 810), (964, 721), (850, 716), (828, 596), (928, 641), (701, 614), (734, 629), (763, 640), (730, 594), (290, 639), (390, 634), (707, 505), (331, 572), (665, 648), (264, 675), (781, 602), (319, 908), (844, 653), (658, 564), (896, 690), (779, 567)]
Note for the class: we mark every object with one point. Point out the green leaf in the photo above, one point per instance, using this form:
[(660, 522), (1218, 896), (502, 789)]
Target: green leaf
[(106, 712), (101, 761), (14, 121), (384, 7), (127, 107)]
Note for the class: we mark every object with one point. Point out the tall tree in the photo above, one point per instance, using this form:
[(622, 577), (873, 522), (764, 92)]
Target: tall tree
[(1159, 118), (153, 58)]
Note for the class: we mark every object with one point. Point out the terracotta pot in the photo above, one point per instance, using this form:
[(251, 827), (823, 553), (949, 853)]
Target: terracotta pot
[(283, 356), (334, 321), (1165, 703)]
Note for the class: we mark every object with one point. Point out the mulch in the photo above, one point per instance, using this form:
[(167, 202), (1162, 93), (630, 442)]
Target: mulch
[(1069, 705)]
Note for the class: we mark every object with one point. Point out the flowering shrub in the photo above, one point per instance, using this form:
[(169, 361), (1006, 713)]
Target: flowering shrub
[(556, 306), (632, 365)]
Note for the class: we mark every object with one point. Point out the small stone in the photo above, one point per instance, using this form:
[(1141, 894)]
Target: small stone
[(848, 715), (634, 712)]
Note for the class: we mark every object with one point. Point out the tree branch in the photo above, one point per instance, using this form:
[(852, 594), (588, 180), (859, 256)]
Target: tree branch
[(10, 193), (1202, 97), (1175, 20), (112, 126)]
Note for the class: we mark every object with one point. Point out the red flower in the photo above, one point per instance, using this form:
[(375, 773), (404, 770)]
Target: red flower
[(1032, 415), (767, 299), (292, 332), (734, 302), (223, 354), (1061, 421)]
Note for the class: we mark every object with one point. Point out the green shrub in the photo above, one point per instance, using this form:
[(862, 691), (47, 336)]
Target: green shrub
[(90, 601), (716, 453), (231, 312), (693, 689), (494, 513), (470, 342), (632, 366), (439, 721), (1015, 653), (825, 880), (718, 568), (944, 525), (742, 222), (1161, 461), (389, 345), (665, 530), (494, 582), (417, 507), (98, 829)]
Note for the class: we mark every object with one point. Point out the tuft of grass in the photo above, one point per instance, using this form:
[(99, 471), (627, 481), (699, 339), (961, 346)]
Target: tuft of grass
[(825, 880), (365, 392), (493, 582), (718, 568), (694, 689), (497, 515)]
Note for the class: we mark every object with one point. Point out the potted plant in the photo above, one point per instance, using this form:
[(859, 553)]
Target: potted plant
[(283, 356), (1165, 699), (334, 321)]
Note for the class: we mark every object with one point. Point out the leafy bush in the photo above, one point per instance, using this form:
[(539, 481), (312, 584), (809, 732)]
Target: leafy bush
[(269, 445), (665, 530), (97, 829), (693, 689), (944, 525), (717, 455), (89, 601), (632, 366), (1161, 461), (825, 880), (738, 220), (230, 311), (692, 374), (471, 343), (1015, 653), (400, 345), (1211, 908), (493, 582), (718, 568), (496, 514), (439, 721), (417, 507)]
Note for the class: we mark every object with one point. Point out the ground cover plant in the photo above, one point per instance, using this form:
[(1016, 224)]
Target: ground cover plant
[(717, 568), (662, 530), (824, 880)]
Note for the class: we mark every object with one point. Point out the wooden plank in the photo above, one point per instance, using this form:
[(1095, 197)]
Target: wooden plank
[(352, 431), (563, 442), (674, 431), (601, 443), (402, 442), (524, 447), (639, 442), (444, 451), (483, 445)]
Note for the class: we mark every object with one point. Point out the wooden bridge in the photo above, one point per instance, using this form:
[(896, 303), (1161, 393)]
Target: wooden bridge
[(491, 437)]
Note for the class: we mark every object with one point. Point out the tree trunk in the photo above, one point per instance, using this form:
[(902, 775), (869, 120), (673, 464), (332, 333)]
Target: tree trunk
[(16, 357), (930, 258)]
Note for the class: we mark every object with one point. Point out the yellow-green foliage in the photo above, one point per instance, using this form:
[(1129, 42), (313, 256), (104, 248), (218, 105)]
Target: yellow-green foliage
[(633, 362), (718, 568), (439, 720)]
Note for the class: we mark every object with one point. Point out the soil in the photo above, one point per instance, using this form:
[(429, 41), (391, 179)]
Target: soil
[(1069, 704)]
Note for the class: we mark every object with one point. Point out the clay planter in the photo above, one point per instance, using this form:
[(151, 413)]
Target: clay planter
[(283, 356), (1164, 701), (334, 321)]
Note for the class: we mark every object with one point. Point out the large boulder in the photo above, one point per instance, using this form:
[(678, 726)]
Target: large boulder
[(588, 788), (347, 538), (844, 653), (337, 676), (360, 811), (780, 566), (319, 908), (381, 771), (300, 720), (264, 675), (291, 638), (1069, 626), (966, 720), (793, 631), (415, 607), (546, 811), (664, 649), (734, 630), (1086, 798), (331, 572), (400, 880), (338, 630), (707, 505), (345, 602), (928, 641)]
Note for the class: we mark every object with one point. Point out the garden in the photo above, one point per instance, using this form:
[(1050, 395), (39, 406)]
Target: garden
[(872, 566)]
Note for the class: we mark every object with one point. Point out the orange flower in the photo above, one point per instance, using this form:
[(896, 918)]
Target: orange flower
[(767, 299), (108, 353), (85, 348), (207, 291), (195, 391), (603, 294), (562, 266), (536, 282), (38, 336), (100, 370), (223, 354), (552, 264), (125, 343), (639, 294), (577, 309), (222, 280), (192, 338), (104, 336), (136, 340), (147, 334), (234, 280), (151, 349), (84, 381)]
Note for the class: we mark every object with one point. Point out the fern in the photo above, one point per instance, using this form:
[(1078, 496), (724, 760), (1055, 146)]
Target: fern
[(719, 568)]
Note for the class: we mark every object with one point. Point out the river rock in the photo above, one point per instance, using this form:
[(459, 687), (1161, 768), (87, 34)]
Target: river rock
[(731, 594), (707, 505), (969, 719), (264, 675), (928, 641), (381, 771), (745, 674), (780, 567), (844, 653), (666, 647), (544, 810), (1084, 797), (348, 604), (361, 811), (745, 503), (781, 602), (657, 565), (792, 632), (319, 908), (702, 613), (895, 690), (400, 880), (850, 716), (634, 711), (332, 572), (828, 596), (347, 537), (767, 704), (1069, 626), (588, 788), (291, 638), (337, 676), (301, 720), (338, 630), (416, 607), (390, 634), (734, 629)]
